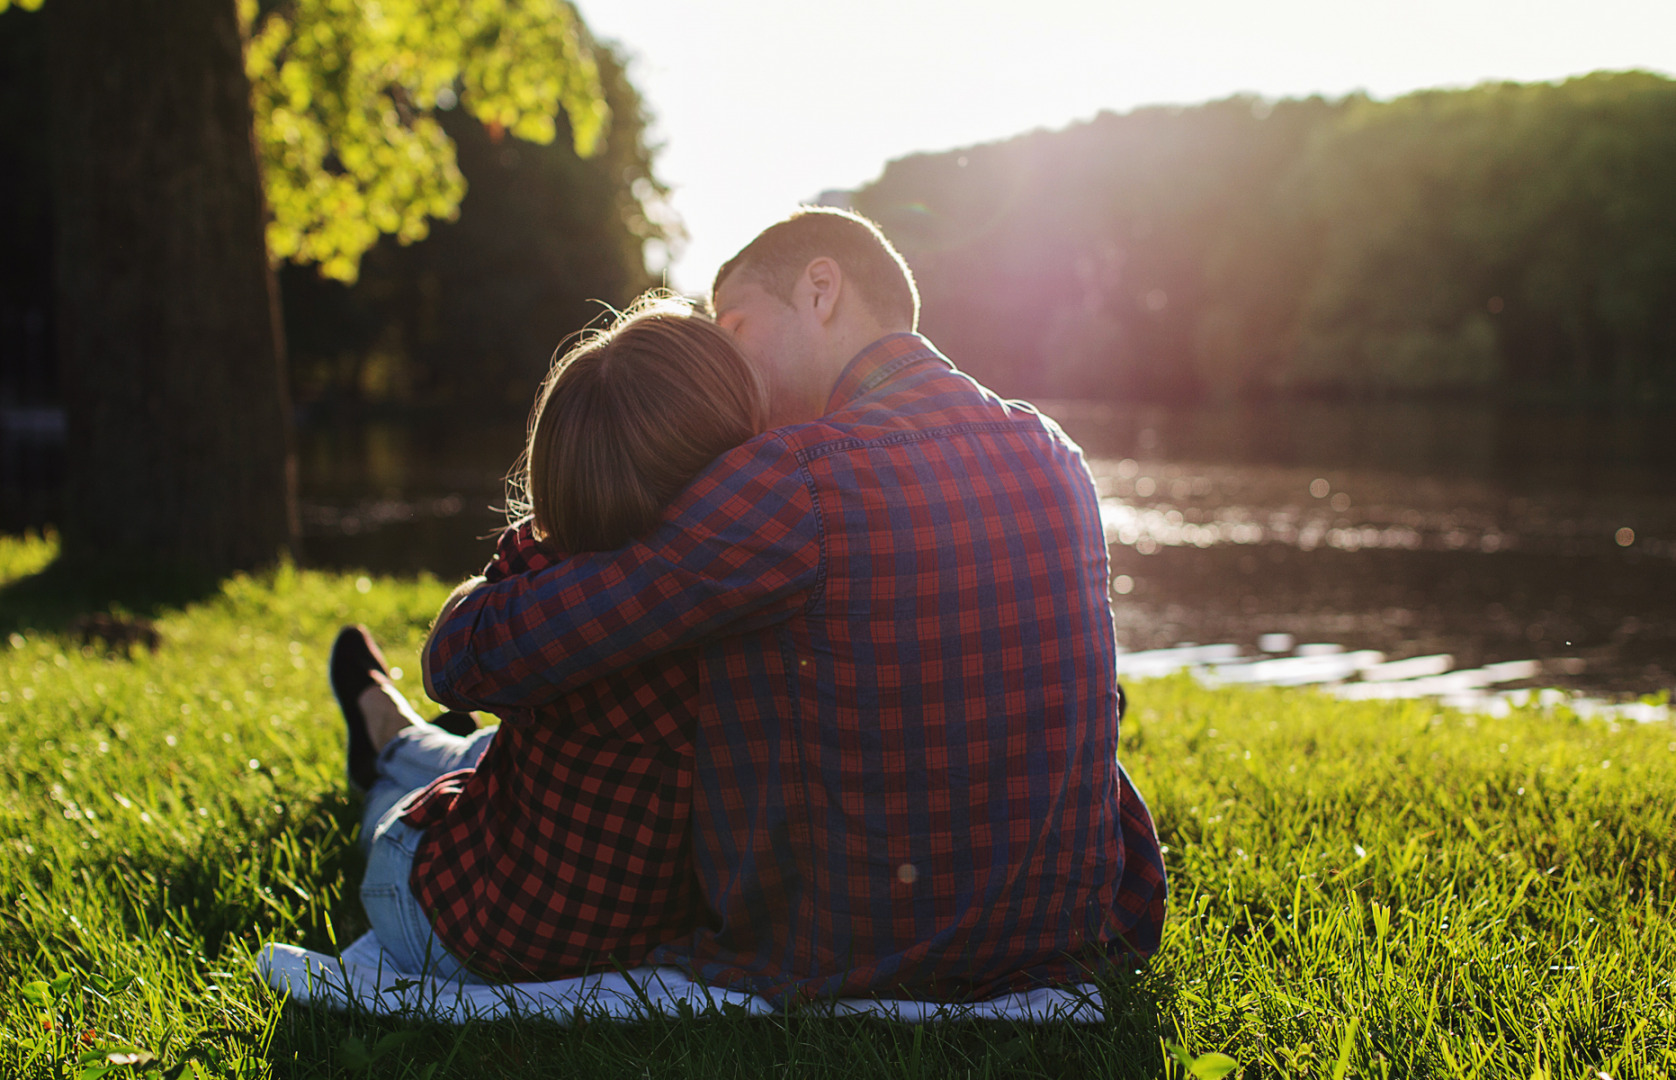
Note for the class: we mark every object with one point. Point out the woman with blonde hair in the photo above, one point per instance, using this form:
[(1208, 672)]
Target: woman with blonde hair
[(557, 842)]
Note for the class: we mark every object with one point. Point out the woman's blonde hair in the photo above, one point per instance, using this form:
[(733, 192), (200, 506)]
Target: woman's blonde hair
[(626, 418)]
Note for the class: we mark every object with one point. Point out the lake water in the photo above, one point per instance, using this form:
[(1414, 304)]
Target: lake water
[(1411, 529)]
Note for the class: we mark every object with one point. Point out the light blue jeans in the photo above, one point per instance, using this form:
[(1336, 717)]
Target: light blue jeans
[(408, 762)]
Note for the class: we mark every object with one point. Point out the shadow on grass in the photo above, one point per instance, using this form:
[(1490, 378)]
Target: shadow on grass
[(293, 878), (68, 598), (808, 1042), (311, 1042)]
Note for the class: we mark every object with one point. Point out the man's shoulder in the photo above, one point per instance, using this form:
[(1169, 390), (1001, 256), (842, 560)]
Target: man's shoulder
[(766, 453), (944, 404), (765, 463), (755, 497)]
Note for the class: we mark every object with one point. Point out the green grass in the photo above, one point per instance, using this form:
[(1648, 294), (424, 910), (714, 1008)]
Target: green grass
[(1359, 889)]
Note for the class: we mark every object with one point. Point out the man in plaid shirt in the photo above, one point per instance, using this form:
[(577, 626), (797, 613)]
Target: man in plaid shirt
[(906, 775)]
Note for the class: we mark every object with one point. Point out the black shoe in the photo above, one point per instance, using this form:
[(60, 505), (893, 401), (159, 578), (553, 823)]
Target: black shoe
[(355, 657), (456, 723)]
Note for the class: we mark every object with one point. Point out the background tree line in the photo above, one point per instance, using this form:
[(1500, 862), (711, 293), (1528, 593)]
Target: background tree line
[(1512, 240)]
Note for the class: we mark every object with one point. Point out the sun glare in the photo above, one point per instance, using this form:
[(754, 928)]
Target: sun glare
[(761, 104)]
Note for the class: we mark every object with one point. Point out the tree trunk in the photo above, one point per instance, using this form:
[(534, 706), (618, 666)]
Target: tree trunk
[(179, 452)]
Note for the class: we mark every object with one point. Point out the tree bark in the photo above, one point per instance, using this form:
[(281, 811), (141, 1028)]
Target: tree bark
[(179, 452)]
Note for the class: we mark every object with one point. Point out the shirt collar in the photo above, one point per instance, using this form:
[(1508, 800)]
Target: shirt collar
[(879, 362)]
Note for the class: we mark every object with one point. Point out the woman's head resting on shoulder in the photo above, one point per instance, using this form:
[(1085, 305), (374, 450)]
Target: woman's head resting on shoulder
[(627, 418)]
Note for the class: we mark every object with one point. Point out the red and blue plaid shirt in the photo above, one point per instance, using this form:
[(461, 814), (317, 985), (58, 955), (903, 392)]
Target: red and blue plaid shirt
[(906, 776), (566, 848)]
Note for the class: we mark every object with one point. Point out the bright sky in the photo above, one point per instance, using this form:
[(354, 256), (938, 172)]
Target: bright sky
[(762, 104)]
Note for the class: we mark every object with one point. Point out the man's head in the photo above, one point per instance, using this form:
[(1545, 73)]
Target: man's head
[(808, 294)]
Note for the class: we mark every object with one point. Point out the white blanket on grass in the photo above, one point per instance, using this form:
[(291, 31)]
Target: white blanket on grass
[(365, 978)]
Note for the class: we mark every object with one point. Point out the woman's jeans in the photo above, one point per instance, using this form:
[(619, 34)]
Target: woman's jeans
[(410, 761)]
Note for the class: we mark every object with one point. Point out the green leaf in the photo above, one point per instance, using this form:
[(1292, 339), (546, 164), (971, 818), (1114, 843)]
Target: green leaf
[(352, 1053), (1346, 1045), (61, 984), (37, 993), (1212, 1066), (392, 1042)]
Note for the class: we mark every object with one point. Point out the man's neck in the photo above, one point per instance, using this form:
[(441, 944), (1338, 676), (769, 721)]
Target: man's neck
[(816, 402), (852, 339), (841, 345)]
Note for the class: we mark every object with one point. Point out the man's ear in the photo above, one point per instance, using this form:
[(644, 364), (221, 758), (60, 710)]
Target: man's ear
[(823, 281)]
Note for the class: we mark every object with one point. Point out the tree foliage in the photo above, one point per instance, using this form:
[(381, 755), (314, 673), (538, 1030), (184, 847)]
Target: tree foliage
[(1511, 233), (1504, 239), (469, 318), (345, 92)]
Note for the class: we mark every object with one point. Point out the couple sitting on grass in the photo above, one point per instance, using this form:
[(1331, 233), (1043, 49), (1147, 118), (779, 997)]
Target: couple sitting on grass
[(804, 666)]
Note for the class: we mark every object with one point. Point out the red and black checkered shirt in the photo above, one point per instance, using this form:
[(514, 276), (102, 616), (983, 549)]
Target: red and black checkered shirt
[(567, 847), (906, 775)]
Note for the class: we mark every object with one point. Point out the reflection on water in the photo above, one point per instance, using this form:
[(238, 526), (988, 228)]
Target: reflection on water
[(1521, 452), (404, 498), (1408, 529), (1177, 505)]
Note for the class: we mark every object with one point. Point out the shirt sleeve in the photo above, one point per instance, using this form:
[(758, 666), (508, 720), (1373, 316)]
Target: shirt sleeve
[(738, 550)]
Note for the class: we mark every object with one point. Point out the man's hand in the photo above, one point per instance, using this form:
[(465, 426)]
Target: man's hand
[(461, 591)]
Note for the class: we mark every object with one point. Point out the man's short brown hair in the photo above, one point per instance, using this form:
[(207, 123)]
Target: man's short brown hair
[(784, 250)]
